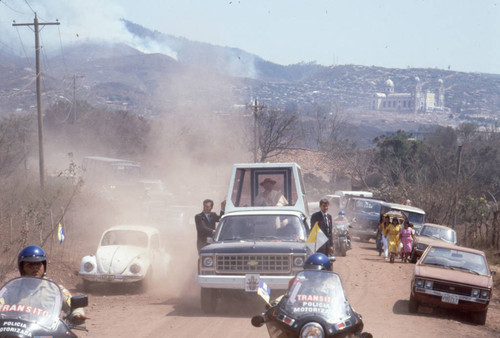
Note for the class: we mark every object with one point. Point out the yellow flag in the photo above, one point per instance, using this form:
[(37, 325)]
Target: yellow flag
[(316, 238)]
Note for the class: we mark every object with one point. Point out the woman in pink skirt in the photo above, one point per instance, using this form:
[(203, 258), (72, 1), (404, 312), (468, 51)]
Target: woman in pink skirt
[(407, 237)]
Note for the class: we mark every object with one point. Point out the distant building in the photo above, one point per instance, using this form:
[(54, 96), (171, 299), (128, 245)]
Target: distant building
[(414, 102)]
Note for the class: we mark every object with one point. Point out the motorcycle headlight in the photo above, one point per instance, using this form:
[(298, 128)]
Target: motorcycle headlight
[(135, 268), (298, 261), (208, 262), (88, 267), (312, 330)]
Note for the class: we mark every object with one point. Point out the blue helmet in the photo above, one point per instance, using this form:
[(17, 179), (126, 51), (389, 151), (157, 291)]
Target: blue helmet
[(341, 213), (317, 261), (31, 253)]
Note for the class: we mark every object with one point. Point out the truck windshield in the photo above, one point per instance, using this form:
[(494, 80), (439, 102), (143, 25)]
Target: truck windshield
[(261, 228)]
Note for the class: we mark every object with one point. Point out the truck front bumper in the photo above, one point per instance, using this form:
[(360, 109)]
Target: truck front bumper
[(248, 283)]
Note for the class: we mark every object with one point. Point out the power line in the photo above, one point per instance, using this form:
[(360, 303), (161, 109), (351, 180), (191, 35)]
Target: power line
[(27, 3), (12, 9)]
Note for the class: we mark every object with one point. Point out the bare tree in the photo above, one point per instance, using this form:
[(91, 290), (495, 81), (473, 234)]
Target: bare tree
[(276, 133)]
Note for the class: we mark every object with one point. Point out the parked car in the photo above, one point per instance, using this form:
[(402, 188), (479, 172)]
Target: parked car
[(453, 277), (429, 234), (125, 254)]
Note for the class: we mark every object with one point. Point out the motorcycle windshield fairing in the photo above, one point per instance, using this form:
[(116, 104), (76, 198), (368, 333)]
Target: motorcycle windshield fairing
[(317, 293), (31, 299)]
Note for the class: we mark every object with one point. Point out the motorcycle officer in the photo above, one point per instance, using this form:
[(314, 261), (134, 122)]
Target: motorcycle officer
[(32, 261), (317, 261)]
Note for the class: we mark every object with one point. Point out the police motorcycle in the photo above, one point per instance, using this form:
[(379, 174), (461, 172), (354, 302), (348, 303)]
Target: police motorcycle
[(341, 238), (314, 305), (31, 307)]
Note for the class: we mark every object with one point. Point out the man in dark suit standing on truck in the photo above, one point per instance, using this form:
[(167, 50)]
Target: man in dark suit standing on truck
[(324, 220), (205, 222)]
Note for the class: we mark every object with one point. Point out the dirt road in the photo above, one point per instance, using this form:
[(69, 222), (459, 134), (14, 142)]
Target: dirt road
[(376, 289)]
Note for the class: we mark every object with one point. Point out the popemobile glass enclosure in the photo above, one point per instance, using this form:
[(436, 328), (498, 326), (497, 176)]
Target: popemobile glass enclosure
[(248, 183)]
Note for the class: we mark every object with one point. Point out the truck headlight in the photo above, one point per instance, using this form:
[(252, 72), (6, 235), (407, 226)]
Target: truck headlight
[(419, 283), (298, 261), (428, 284), (485, 294), (475, 293), (208, 262), (421, 246)]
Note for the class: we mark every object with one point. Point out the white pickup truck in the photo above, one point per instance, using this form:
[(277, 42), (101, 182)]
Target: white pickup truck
[(261, 235)]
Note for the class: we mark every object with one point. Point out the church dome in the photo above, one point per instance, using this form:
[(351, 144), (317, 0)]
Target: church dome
[(389, 83)]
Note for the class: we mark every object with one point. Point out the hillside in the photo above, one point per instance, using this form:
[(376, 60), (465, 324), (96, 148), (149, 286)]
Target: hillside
[(197, 75)]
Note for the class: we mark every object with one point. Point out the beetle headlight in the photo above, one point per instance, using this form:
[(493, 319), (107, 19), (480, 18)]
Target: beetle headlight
[(312, 330), (475, 293), (428, 284), (135, 268), (208, 262), (298, 261), (88, 266)]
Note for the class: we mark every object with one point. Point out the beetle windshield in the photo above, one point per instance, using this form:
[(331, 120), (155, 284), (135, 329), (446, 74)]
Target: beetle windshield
[(32, 299), (261, 227), (317, 293), (125, 237)]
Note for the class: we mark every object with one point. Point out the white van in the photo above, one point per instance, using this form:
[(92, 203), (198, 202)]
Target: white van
[(344, 194)]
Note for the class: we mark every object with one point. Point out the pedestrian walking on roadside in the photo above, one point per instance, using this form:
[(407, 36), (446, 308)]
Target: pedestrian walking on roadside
[(393, 238)]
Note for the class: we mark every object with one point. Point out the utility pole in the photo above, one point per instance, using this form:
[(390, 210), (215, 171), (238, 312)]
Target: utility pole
[(455, 202), (36, 25), (73, 105), (256, 110)]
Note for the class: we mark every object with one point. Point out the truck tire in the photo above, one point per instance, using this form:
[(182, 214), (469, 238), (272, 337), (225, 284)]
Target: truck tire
[(208, 300), (413, 306), (479, 318), (413, 257)]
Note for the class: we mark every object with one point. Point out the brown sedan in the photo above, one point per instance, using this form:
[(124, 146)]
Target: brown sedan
[(432, 234), (453, 277)]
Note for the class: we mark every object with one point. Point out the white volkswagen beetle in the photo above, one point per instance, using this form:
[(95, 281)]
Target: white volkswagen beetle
[(126, 254)]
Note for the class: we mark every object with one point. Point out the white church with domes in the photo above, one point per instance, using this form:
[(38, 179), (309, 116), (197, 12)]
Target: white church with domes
[(414, 102)]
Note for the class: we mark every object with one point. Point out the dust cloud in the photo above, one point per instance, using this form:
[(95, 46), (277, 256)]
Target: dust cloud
[(191, 149)]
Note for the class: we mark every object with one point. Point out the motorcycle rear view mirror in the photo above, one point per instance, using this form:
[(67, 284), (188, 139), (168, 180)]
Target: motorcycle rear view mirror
[(332, 259), (258, 321), (79, 301)]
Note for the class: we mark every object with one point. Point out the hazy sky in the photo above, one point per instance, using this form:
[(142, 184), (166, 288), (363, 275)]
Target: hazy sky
[(461, 34)]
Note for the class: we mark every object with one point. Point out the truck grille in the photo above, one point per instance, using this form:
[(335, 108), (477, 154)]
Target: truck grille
[(275, 264), (452, 288)]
